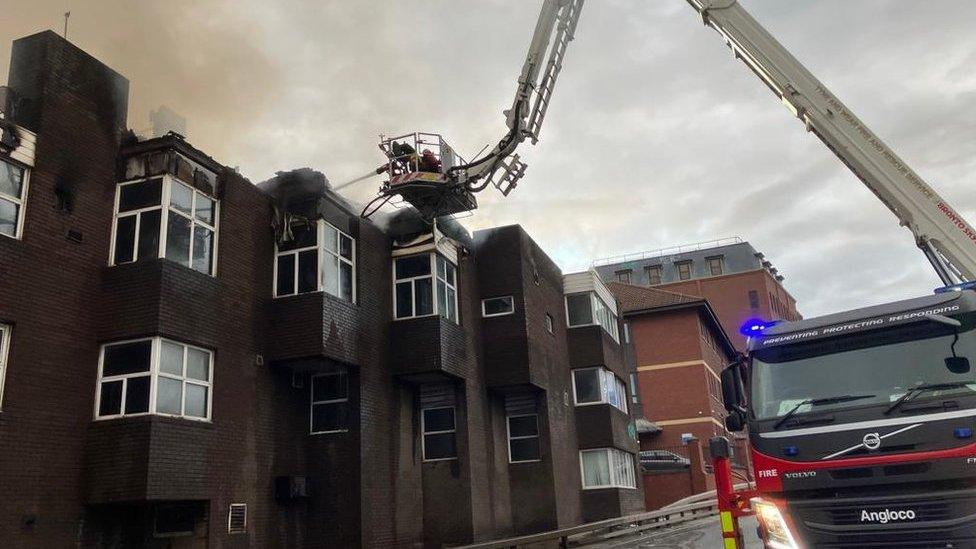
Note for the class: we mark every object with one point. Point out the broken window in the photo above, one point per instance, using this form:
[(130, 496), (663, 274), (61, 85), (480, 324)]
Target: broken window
[(128, 370), (319, 257), (497, 306), (439, 433), (413, 287), (145, 208), (653, 274), (4, 347), (13, 190), (523, 438), (684, 269), (330, 399)]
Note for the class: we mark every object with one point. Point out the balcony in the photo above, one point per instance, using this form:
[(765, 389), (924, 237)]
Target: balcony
[(429, 349)]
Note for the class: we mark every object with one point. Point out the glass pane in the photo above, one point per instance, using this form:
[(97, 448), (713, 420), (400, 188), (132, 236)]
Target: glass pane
[(329, 417), (329, 387), (11, 179), (169, 396), (440, 446), (451, 305), (125, 238), (596, 469), (522, 426), (330, 274), (206, 209), (126, 358), (140, 195), (408, 267), (441, 297), (498, 305), (178, 239), (286, 275), (203, 249), (8, 217), (110, 401), (137, 395), (308, 271), (438, 419), (181, 198), (305, 235), (441, 267), (197, 364), (449, 270), (525, 449), (171, 358), (345, 281), (196, 400), (345, 246), (404, 300), (148, 235), (329, 240), (587, 386), (425, 297), (580, 310)]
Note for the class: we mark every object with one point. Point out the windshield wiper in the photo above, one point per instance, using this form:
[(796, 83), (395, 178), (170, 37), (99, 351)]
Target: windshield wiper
[(917, 390), (818, 402)]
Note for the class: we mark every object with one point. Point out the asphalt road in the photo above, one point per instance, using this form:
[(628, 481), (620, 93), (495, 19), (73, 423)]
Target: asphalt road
[(700, 534)]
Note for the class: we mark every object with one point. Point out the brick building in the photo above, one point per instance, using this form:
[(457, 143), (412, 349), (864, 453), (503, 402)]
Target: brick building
[(190, 360), (738, 281)]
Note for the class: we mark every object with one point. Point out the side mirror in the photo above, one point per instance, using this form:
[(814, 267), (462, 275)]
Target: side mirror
[(734, 396), (957, 364), (735, 421)]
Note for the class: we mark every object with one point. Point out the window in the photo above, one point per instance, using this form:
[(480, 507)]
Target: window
[(586, 309), (440, 438), (549, 324), (4, 347), (175, 519), (523, 438), (715, 265), (13, 193), (144, 208), (626, 332), (497, 306), (237, 518), (753, 299), (413, 287), (607, 468), (653, 274), (623, 276), (684, 270), (154, 376), (599, 386), (634, 395), (318, 258), (329, 403)]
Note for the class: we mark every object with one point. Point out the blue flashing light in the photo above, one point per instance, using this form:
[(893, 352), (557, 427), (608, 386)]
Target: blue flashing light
[(754, 327), (957, 287), (963, 432), (791, 451)]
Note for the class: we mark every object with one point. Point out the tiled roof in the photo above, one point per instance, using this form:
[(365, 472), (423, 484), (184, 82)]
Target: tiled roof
[(642, 298)]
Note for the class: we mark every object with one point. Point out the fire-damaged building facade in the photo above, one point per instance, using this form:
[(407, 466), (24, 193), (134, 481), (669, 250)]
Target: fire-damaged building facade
[(191, 360)]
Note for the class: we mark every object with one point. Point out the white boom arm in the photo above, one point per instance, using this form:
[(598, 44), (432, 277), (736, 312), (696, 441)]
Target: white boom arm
[(946, 239), (556, 26)]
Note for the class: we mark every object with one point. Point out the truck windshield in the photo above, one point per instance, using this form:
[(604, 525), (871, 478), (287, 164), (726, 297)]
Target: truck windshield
[(885, 364)]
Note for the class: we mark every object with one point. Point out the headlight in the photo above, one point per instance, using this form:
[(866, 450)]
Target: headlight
[(778, 534)]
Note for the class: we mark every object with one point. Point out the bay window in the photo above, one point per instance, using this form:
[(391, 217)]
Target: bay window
[(154, 376), (162, 217), (599, 385), (13, 194), (588, 309), (607, 468), (424, 285), (319, 257)]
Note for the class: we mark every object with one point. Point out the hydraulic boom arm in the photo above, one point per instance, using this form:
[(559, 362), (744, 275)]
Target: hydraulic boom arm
[(947, 240)]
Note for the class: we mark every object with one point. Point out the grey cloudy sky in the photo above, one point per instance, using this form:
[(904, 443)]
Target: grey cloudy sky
[(656, 136)]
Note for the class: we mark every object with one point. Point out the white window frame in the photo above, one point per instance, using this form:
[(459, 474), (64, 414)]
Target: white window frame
[(615, 457), (165, 207), (597, 305), (230, 513), (194, 221), (550, 324), (20, 201), (604, 376), (5, 330), (154, 375), (508, 428), (511, 303), (313, 402), (424, 432), (434, 279), (321, 251)]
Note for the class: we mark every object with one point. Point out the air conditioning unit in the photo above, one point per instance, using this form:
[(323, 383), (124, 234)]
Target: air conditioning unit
[(292, 487)]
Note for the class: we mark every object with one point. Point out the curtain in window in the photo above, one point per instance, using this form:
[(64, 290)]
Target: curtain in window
[(596, 468)]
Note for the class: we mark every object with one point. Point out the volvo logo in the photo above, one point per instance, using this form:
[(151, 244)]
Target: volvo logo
[(872, 441)]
